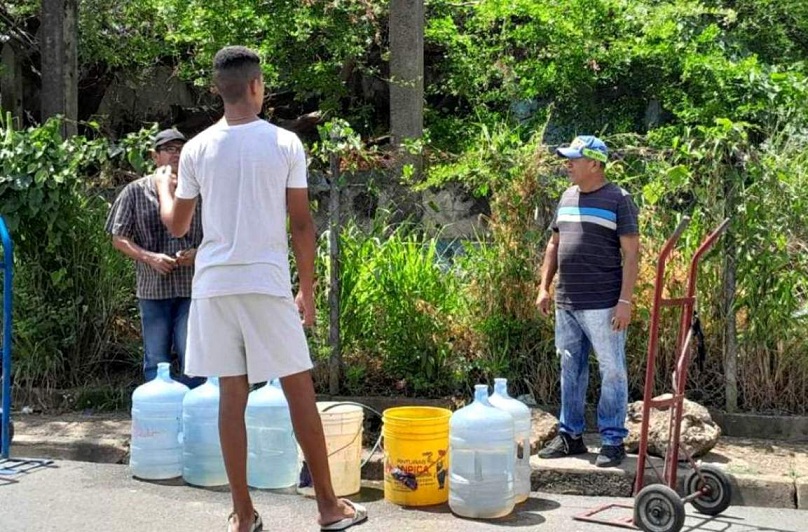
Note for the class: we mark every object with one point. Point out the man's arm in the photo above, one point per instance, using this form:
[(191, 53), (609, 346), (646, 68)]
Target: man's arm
[(158, 261), (548, 271), (121, 225), (176, 213), (630, 246), (303, 244)]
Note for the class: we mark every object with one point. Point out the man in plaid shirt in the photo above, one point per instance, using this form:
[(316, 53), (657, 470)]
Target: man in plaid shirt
[(164, 265)]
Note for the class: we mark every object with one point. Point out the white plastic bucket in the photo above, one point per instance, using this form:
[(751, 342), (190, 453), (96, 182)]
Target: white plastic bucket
[(342, 426)]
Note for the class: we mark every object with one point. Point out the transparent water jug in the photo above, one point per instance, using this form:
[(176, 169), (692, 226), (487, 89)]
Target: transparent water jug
[(481, 459), (521, 420), (156, 452), (272, 461), (202, 462)]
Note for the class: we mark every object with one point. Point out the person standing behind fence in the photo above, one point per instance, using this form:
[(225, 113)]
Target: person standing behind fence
[(164, 265), (245, 327), (594, 246)]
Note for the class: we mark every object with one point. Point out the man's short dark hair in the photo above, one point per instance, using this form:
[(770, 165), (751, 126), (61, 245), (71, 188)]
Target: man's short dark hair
[(234, 67)]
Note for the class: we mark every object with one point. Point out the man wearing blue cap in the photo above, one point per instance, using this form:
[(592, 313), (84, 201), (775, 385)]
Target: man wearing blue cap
[(595, 249)]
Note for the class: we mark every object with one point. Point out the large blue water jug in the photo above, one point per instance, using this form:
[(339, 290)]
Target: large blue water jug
[(522, 420), (481, 459), (272, 461), (202, 462), (155, 451)]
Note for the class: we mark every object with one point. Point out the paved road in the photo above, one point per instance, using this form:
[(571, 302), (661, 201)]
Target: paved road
[(80, 496)]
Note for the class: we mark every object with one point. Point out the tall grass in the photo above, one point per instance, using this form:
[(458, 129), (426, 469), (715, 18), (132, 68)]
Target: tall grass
[(398, 309), (774, 351), (77, 323)]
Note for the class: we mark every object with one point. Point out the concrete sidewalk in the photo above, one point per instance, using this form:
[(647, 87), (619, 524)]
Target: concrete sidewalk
[(80, 496), (104, 438)]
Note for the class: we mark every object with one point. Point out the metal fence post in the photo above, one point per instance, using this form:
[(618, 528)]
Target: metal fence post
[(5, 429), (335, 361)]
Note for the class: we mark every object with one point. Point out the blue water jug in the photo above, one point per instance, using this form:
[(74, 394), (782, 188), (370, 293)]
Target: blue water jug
[(522, 421), (202, 462), (155, 452), (272, 461), (481, 459)]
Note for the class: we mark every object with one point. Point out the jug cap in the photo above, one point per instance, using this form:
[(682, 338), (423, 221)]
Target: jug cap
[(501, 387), (481, 393), (163, 371)]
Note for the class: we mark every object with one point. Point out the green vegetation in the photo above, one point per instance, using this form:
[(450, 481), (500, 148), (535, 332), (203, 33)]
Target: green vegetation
[(73, 306), (702, 101)]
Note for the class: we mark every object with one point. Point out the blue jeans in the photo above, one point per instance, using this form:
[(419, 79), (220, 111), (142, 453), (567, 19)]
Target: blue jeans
[(165, 323), (576, 333)]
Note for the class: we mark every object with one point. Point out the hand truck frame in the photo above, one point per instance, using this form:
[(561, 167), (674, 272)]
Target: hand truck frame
[(658, 507)]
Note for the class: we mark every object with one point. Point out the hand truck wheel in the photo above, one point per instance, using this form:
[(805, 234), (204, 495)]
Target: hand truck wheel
[(657, 508), (718, 494)]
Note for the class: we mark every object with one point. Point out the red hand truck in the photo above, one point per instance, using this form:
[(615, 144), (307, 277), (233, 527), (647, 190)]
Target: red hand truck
[(658, 507)]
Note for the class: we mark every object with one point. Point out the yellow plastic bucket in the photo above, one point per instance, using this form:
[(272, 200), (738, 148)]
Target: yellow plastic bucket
[(416, 455)]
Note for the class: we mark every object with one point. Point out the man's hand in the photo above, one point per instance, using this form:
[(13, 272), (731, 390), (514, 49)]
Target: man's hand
[(305, 305), (622, 316), (544, 302), (161, 263), (165, 177), (186, 257)]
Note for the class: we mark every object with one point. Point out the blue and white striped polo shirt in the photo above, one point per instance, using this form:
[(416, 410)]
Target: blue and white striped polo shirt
[(590, 263)]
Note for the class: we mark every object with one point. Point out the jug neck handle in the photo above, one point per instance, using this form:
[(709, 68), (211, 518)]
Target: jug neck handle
[(481, 394), (163, 372)]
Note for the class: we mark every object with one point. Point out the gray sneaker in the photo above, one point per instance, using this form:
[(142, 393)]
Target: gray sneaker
[(563, 445), (611, 456)]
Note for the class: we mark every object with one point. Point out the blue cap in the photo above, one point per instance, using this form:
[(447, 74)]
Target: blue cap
[(586, 146)]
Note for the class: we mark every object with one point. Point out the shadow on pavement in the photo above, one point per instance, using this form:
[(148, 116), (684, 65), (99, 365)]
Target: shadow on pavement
[(13, 470), (367, 494), (724, 523), (524, 514)]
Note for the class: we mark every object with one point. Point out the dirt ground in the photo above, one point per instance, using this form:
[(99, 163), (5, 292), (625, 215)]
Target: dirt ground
[(748, 456), (761, 457)]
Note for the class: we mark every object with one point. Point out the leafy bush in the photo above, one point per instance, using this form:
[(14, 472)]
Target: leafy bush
[(707, 172), (73, 291), (612, 66)]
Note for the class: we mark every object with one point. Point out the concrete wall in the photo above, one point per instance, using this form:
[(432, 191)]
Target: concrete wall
[(148, 97)]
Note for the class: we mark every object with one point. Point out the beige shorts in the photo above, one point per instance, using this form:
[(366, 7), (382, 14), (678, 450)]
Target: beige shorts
[(247, 334)]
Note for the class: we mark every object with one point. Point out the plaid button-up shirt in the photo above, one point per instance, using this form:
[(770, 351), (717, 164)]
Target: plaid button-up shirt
[(136, 215)]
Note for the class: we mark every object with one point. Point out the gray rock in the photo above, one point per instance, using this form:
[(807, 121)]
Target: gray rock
[(528, 400), (699, 432)]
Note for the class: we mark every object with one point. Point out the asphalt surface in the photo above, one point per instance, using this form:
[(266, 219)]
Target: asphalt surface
[(84, 497)]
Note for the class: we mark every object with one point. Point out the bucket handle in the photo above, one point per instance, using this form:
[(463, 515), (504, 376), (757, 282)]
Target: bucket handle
[(376, 446)]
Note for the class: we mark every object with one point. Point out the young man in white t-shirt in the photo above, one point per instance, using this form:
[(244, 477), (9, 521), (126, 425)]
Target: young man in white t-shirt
[(244, 326)]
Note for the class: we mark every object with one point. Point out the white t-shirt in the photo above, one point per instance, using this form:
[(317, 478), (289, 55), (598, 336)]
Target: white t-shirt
[(242, 173)]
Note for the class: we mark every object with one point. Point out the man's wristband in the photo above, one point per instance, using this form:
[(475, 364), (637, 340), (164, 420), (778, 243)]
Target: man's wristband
[(626, 301)]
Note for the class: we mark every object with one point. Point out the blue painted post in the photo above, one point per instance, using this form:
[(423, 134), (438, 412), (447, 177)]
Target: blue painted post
[(5, 424)]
